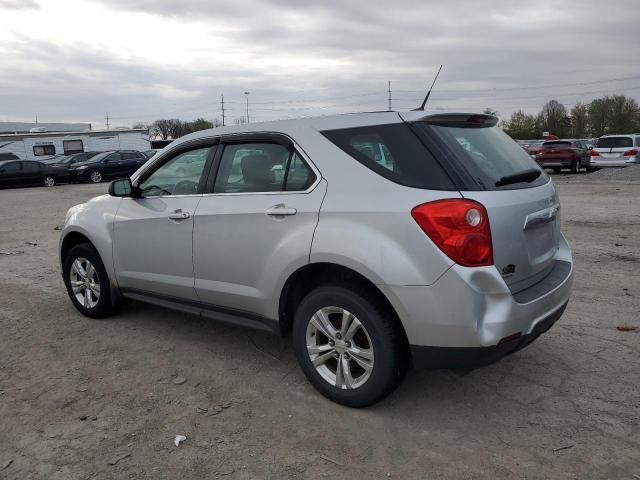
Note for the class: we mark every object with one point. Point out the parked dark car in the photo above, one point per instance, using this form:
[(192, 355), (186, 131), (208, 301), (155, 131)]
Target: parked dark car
[(69, 160), (29, 172), (114, 164), (559, 154), (9, 156)]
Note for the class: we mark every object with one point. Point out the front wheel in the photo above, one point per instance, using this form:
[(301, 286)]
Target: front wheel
[(95, 176), (48, 181), (349, 346), (87, 281)]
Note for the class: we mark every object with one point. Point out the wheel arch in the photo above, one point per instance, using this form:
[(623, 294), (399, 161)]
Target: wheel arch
[(70, 240), (313, 275)]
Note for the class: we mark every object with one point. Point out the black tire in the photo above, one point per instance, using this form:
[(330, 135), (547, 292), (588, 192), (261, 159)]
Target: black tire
[(591, 169), (556, 170), (95, 176), (575, 166), (103, 307), (388, 342), (48, 181)]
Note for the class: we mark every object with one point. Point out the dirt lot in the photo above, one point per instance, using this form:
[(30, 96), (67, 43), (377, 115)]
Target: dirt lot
[(82, 398)]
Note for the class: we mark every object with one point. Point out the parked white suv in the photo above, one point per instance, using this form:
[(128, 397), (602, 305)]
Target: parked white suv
[(378, 239), (615, 151)]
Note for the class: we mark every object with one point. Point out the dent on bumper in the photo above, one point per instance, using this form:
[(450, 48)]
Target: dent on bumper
[(473, 307)]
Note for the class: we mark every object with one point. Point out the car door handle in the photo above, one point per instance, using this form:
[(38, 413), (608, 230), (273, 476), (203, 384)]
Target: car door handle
[(280, 211), (179, 215)]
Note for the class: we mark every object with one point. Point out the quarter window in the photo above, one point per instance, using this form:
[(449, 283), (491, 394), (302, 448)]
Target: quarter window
[(262, 167), (72, 146), (179, 176), (39, 150)]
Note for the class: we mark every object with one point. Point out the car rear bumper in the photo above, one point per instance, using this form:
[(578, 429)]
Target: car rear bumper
[(473, 357), (469, 310), (601, 162), (556, 162)]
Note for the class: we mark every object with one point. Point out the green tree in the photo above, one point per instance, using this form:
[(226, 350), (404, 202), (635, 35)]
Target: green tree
[(599, 116), (579, 120), (624, 114), (522, 126)]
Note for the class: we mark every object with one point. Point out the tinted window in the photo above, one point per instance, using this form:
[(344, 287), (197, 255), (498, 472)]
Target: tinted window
[(252, 167), (614, 142), (299, 176), (113, 157), (129, 156), (487, 154), (30, 167), (179, 176), (394, 152), (10, 167), (557, 144), (39, 150)]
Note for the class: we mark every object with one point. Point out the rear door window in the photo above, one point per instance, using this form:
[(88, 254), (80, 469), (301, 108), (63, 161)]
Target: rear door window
[(615, 142), (394, 152)]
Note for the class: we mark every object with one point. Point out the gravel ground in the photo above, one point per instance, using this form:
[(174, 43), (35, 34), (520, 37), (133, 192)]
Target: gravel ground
[(84, 399), (627, 174)]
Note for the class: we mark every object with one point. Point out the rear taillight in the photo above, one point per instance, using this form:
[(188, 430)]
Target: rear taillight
[(595, 153), (630, 153), (460, 228)]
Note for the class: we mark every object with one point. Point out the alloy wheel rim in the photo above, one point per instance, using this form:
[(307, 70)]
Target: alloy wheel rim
[(340, 348), (49, 182), (96, 177), (85, 282)]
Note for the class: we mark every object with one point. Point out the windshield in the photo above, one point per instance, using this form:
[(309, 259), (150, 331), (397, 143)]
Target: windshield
[(615, 142), (95, 158), (60, 160), (487, 154)]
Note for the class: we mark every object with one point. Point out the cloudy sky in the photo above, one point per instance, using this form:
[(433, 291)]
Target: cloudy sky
[(72, 60)]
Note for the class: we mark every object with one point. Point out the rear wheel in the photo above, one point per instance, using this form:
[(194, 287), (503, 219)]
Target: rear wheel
[(48, 181), (349, 347), (575, 166), (95, 176), (87, 281)]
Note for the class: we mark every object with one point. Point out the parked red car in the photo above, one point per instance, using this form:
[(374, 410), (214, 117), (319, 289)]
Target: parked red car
[(559, 154)]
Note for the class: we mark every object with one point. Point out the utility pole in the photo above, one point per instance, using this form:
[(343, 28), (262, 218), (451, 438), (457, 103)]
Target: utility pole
[(247, 94), (107, 120), (222, 98), (389, 91)]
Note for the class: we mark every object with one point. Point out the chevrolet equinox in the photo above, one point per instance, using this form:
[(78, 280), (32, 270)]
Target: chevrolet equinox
[(379, 240)]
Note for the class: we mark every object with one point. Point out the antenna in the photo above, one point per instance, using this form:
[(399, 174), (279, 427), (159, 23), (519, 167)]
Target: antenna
[(222, 97), (424, 102)]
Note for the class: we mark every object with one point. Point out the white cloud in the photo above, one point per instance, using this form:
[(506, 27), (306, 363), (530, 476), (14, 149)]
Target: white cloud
[(142, 59)]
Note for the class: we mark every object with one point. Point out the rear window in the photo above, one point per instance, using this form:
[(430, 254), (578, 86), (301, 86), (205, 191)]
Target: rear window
[(394, 152), (615, 142), (481, 156), (557, 144)]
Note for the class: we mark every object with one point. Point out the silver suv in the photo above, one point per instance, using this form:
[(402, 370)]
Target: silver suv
[(379, 240)]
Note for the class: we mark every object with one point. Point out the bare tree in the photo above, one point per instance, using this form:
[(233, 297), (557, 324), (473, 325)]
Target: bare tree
[(554, 119)]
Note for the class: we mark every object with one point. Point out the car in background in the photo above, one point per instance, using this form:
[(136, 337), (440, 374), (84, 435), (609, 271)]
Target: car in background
[(69, 160), (615, 151), (29, 172), (559, 154), (8, 156), (534, 148), (112, 164), (150, 153)]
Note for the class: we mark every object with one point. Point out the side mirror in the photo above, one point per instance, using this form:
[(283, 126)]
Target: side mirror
[(122, 188)]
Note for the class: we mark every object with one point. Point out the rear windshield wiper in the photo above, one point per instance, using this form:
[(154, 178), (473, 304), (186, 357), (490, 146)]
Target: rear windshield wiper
[(524, 176)]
